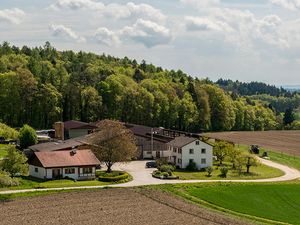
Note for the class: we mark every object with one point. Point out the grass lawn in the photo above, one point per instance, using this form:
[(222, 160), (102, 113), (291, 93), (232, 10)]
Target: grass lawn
[(277, 202), (292, 161), (3, 150), (282, 158), (29, 183), (256, 172), (259, 172)]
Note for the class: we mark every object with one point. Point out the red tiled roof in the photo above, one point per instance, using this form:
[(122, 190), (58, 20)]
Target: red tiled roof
[(66, 158), (73, 124)]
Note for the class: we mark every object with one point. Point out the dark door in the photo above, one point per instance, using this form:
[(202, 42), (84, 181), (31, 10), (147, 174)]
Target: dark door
[(157, 154), (56, 173)]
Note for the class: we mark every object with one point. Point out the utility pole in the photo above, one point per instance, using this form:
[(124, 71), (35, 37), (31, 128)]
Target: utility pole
[(151, 140)]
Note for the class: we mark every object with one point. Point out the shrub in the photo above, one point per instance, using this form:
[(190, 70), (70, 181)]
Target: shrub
[(15, 162), (192, 166), (224, 171), (161, 162), (168, 169), (7, 181), (209, 171), (112, 177), (8, 132), (27, 136)]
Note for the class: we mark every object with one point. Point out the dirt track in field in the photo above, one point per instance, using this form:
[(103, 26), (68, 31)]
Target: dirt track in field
[(281, 141), (108, 207)]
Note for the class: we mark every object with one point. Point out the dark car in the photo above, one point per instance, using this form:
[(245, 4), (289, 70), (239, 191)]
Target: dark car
[(151, 164)]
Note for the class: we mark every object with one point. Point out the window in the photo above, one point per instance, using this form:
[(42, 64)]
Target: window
[(179, 161), (149, 152), (191, 151), (36, 169), (191, 160), (69, 170), (197, 142), (86, 170), (174, 149), (203, 150), (203, 161), (179, 150)]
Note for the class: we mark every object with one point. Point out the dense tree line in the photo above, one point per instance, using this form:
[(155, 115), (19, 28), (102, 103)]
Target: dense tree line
[(41, 85), (252, 88)]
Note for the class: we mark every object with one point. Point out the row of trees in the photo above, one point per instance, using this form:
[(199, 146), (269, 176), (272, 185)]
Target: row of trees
[(39, 86)]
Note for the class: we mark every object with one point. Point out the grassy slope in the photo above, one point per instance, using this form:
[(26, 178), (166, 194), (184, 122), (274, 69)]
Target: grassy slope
[(279, 202)]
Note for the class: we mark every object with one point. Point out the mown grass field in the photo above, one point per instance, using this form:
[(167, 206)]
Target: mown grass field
[(276, 202)]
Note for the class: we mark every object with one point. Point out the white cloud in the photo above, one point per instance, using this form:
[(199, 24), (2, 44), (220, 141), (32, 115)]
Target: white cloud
[(107, 37), (66, 33), (201, 3), (204, 24), (288, 4), (240, 28), (148, 33), (78, 4), (114, 10), (14, 16)]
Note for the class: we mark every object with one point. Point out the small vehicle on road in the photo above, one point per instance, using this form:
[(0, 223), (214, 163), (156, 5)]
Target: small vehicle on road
[(151, 164)]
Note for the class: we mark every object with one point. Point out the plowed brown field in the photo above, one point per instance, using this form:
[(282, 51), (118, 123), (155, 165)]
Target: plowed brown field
[(281, 141), (109, 206)]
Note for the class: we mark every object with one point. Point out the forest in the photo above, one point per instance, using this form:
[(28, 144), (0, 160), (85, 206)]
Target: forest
[(41, 85)]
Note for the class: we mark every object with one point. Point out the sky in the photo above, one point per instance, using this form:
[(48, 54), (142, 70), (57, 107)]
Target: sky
[(257, 40)]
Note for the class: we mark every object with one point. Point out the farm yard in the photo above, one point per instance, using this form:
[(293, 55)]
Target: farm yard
[(281, 141), (109, 206)]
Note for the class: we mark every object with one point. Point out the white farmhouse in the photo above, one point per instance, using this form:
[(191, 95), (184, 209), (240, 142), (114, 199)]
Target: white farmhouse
[(74, 164), (186, 149)]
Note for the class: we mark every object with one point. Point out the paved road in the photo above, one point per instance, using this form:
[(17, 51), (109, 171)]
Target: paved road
[(142, 176)]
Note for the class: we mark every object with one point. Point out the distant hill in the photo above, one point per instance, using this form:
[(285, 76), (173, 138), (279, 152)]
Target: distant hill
[(292, 88)]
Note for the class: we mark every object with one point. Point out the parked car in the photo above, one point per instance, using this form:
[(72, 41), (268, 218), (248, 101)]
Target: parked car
[(151, 164)]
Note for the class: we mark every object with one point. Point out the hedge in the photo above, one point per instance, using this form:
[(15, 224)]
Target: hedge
[(113, 178)]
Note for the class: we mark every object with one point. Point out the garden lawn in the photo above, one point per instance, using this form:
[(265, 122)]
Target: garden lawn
[(3, 150), (277, 202), (259, 172), (30, 182)]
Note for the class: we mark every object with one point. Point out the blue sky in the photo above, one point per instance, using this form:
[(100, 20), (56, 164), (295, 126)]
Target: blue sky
[(257, 40)]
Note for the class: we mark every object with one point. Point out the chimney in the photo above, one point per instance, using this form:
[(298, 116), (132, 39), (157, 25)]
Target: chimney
[(73, 151), (59, 130)]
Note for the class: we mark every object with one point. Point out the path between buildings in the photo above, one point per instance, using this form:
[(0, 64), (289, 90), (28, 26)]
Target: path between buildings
[(142, 176)]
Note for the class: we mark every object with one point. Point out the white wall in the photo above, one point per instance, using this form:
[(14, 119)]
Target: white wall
[(197, 156), (40, 174)]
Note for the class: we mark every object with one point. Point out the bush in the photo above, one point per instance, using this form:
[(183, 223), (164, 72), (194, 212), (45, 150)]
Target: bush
[(167, 168), (7, 132), (209, 171), (161, 162), (224, 171), (15, 163), (192, 166), (7, 181), (27, 136), (113, 177)]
